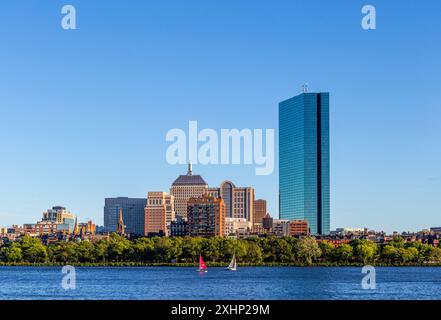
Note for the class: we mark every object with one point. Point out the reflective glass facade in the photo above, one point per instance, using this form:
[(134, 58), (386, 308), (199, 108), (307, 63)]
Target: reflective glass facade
[(133, 214), (304, 160)]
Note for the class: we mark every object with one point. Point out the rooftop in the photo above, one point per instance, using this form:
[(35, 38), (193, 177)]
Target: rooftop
[(189, 179)]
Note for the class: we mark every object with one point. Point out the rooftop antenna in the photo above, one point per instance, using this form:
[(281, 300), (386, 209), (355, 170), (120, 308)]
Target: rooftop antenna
[(304, 88), (190, 169)]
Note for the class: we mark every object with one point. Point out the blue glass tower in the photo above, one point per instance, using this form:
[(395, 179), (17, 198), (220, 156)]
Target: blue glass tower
[(304, 160)]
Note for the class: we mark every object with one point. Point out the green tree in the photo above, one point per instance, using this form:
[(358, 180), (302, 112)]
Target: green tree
[(227, 248), (364, 250), (343, 253), (283, 250), (254, 252), (142, 249), (11, 253), (389, 254), (308, 250), (100, 250), (33, 250), (162, 249), (240, 249), (176, 248), (191, 249), (208, 249), (327, 249), (431, 254), (118, 247), (63, 252), (85, 252), (271, 249), (397, 242)]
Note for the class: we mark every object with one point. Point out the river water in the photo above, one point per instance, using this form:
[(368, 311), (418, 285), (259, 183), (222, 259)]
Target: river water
[(172, 283)]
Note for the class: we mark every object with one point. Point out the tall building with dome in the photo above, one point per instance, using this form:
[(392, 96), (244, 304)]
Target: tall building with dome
[(185, 187)]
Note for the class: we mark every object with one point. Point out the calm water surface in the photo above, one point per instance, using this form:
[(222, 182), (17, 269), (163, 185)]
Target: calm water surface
[(246, 283)]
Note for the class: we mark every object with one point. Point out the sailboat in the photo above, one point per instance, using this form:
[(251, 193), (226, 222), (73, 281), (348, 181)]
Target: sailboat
[(233, 264), (202, 266)]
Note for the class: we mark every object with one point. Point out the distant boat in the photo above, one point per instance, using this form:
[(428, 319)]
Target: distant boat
[(202, 266), (233, 264)]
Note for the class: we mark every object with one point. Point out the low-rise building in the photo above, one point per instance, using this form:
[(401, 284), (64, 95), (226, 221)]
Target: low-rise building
[(281, 227), (298, 228), (178, 227), (237, 226), (45, 228), (87, 228), (267, 223)]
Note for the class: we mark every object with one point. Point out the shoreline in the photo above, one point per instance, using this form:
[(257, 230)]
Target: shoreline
[(214, 265)]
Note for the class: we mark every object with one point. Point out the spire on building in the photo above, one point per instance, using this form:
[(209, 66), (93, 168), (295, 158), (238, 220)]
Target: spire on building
[(190, 169), (305, 88), (75, 230)]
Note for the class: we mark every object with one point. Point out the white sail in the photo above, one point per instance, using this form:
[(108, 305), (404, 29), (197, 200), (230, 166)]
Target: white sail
[(233, 264)]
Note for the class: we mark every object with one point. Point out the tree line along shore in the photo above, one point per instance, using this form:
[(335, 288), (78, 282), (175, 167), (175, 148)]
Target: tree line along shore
[(164, 251)]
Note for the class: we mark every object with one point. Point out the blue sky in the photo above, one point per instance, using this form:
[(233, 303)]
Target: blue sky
[(84, 113)]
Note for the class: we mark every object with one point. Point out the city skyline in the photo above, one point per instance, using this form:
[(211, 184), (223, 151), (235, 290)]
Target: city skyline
[(84, 114), (134, 213)]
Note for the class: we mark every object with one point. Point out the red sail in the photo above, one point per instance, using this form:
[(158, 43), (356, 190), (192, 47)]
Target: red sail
[(202, 263)]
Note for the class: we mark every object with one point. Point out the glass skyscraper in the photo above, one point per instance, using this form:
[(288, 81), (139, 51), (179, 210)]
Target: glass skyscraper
[(132, 211), (304, 160)]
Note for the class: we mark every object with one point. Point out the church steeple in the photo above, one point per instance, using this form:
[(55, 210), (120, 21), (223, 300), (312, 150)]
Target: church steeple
[(75, 230), (121, 227)]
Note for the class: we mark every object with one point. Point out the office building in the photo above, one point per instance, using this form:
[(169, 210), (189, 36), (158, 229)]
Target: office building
[(237, 226), (178, 227), (304, 160), (186, 187), (260, 210), (281, 227), (132, 214), (267, 223), (206, 216), (239, 201), (58, 215), (159, 213), (45, 228), (298, 228), (86, 228)]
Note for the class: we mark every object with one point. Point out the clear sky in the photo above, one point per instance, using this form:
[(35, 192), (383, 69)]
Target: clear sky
[(84, 113)]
